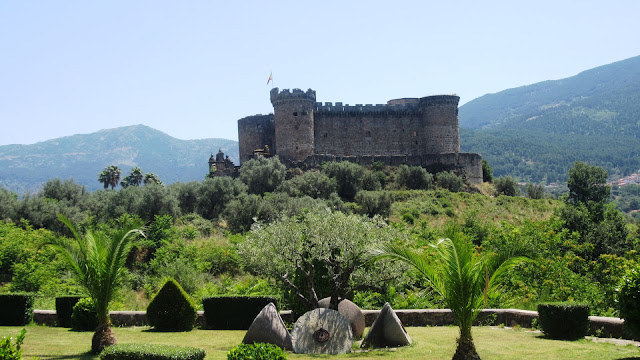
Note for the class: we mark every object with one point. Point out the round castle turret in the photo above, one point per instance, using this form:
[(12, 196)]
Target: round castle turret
[(440, 124), (293, 122)]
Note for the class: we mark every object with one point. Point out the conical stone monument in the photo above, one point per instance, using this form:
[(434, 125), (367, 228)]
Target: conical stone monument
[(268, 327), (386, 331), (322, 331)]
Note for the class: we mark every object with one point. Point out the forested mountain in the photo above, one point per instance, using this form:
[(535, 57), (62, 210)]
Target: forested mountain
[(82, 157), (536, 132)]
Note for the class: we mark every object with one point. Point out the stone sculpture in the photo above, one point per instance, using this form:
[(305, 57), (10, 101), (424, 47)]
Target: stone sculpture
[(322, 331), (351, 311), (386, 331), (268, 327)]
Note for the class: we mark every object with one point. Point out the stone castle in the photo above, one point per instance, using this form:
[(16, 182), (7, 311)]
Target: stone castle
[(412, 131)]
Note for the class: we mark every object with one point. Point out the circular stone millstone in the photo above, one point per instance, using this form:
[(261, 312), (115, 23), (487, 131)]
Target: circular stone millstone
[(322, 331), (351, 311)]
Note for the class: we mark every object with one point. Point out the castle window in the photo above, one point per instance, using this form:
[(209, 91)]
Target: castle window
[(295, 113), (324, 135), (368, 133), (416, 142), (305, 113)]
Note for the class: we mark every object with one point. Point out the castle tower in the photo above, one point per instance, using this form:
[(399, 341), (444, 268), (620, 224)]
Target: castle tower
[(293, 122), (440, 124)]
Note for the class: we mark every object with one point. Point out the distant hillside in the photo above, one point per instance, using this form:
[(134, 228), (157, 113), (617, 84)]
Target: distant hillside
[(82, 157), (536, 132)]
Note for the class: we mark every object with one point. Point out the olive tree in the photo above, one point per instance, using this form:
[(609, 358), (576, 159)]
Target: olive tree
[(297, 251)]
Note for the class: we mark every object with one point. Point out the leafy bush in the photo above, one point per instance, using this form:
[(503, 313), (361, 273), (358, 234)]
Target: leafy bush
[(262, 174), (10, 351), (506, 185), (16, 309), (413, 178), (348, 177), (312, 183), (566, 321), (629, 301), (374, 202), (84, 316), (172, 309), (450, 181), (64, 309), (233, 312), (256, 351), (151, 352)]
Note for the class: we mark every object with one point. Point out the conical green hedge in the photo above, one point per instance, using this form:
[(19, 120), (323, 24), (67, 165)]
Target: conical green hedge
[(172, 309)]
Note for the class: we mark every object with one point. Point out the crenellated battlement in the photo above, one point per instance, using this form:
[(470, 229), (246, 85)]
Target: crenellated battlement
[(440, 100), (278, 97), (411, 130)]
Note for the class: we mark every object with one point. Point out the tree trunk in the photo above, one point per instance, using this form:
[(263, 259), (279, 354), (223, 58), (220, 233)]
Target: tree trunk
[(102, 337), (466, 350)]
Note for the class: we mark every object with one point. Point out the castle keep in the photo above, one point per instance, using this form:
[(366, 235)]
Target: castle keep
[(412, 131)]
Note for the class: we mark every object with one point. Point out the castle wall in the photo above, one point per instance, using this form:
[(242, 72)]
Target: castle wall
[(254, 132)]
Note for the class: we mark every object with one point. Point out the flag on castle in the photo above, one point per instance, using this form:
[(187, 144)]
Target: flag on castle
[(270, 78)]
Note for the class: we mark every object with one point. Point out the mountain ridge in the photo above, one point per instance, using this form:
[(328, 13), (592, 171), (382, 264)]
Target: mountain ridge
[(24, 168)]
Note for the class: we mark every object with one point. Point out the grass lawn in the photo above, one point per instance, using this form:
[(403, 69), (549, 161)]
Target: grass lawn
[(429, 343)]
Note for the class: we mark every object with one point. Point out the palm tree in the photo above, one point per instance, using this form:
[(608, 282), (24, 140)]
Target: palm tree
[(152, 178), (110, 176), (98, 260), (133, 179), (462, 276)]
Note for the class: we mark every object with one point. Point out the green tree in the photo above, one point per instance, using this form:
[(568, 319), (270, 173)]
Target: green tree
[(450, 181), (133, 179), (535, 191), (110, 176), (506, 185), (462, 276), (348, 177), (262, 174), (588, 185), (298, 250), (97, 260), (312, 183), (152, 178), (414, 177), (487, 172)]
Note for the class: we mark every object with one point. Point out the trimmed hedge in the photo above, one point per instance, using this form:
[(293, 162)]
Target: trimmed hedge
[(233, 312), (84, 316), (151, 352), (16, 309), (64, 309), (172, 309), (256, 351), (629, 301), (564, 321)]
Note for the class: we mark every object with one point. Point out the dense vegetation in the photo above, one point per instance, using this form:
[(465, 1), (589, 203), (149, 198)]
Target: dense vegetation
[(579, 246), (24, 168), (536, 132)]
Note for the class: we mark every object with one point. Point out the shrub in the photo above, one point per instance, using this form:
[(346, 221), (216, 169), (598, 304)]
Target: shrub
[(151, 352), (10, 351), (450, 181), (64, 309), (373, 203), (506, 185), (566, 321), (414, 177), (16, 309), (629, 301), (172, 309), (84, 316), (256, 351), (233, 312)]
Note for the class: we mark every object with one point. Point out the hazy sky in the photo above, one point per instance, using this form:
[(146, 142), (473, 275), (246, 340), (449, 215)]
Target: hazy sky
[(193, 68)]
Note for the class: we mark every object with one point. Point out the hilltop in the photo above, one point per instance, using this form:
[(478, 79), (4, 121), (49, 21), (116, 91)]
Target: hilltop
[(82, 157), (536, 132)]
